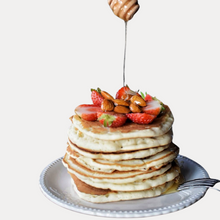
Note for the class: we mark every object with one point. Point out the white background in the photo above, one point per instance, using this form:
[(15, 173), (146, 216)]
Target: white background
[(53, 52)]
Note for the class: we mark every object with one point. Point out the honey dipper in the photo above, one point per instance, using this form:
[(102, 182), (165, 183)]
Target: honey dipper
[(124, 9)]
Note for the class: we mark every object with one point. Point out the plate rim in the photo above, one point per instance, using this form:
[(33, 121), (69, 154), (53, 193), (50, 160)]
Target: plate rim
[(116, 213)]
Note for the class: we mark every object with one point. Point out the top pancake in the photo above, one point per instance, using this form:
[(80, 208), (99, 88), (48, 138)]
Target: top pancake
[(158, 127)]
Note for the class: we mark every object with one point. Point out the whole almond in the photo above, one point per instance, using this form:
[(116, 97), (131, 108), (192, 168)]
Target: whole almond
[(107, 105), (121, 109), (121, 102), (138, 100), (135, 108), (107, 95)]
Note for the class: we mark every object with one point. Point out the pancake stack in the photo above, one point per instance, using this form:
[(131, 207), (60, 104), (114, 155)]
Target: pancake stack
[(134, 161)]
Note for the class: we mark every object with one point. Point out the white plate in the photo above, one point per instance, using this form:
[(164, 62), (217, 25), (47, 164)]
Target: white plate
[(56, 186)]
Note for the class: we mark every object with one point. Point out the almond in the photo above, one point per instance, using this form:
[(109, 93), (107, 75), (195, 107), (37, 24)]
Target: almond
[(138, 100), (121, 102), (121, 109), (107, 95), (107, 105), (135, 108)]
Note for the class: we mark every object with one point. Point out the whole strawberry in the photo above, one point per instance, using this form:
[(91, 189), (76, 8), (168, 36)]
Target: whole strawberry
[(96, 96), (125, 93)]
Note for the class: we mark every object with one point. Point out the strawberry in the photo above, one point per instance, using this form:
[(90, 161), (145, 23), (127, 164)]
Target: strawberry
[(141, 118), (146, 97), (125, 93), (111, 119), (96, 96), (153, 107), (88, 112)]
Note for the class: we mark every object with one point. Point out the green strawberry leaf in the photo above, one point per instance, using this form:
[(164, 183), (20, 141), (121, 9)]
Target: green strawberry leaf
[(162, 107), (97, 90), (108, 119), (105, 123), (142, 95)]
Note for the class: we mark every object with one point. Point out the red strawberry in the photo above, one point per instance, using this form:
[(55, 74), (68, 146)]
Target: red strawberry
[(96, 96), (88, 111), (125, 93), (141, 118), (111, 119), (148, 98), (153, 107)]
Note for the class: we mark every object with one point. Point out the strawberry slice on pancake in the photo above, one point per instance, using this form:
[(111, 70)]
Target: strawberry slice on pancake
[(111, 119), (88, 112), (141, 118), (153, 107)]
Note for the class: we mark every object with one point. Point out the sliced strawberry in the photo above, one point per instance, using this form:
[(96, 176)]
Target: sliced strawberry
[(96, 96), (125, 93), (88, 112), (141, 118), (153, 107), (111, 119)]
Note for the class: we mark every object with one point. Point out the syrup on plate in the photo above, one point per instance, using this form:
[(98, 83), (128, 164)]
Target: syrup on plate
[(174, 187)]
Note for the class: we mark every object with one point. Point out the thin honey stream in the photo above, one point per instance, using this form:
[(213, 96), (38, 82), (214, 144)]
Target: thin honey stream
[(125, 49)]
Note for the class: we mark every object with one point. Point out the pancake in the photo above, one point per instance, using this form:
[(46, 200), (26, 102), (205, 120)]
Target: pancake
[(130, 180), (158, 127), (165, 156), (96, 195), (138, 185), (85, 142), (73, 167), (115, 156)]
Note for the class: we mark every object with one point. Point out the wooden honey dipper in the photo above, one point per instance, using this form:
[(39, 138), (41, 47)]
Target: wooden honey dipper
[(124, 9)]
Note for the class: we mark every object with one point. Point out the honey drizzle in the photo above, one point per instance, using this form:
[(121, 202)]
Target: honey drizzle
[(125, 48)]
